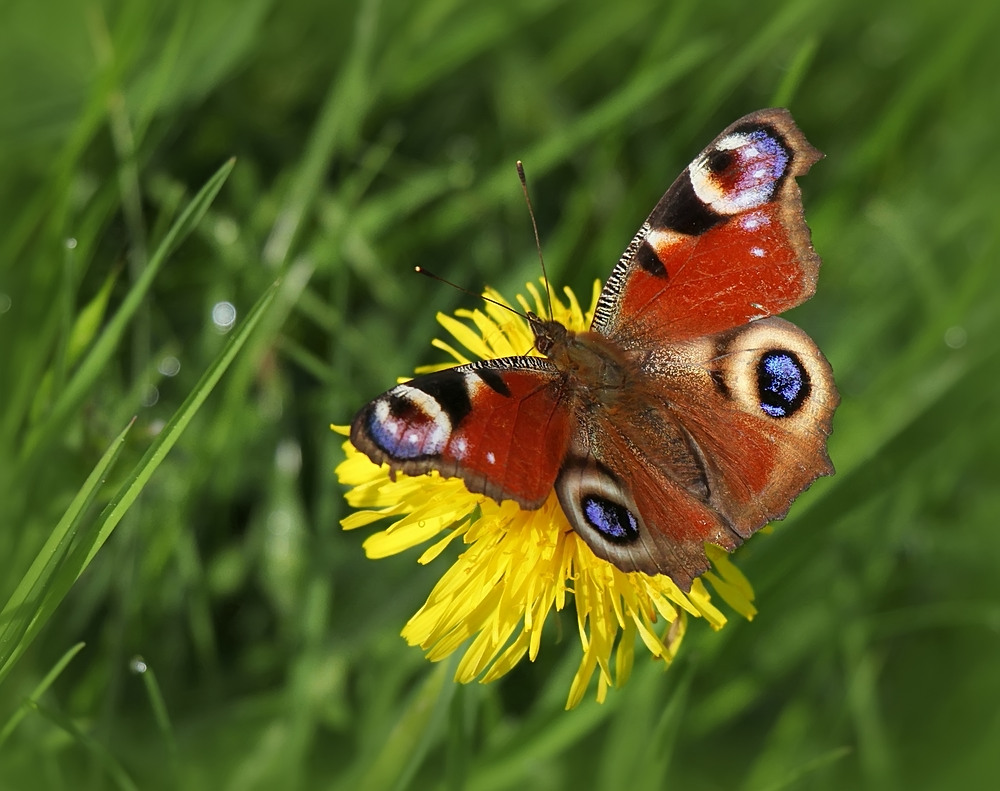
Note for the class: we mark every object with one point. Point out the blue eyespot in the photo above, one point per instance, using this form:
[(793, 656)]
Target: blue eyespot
[(782, 383), (613, 521), (772, 153), (407, 423), (395, 437)]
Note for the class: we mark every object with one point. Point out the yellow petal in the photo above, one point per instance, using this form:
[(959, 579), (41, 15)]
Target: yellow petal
[(518, 566)]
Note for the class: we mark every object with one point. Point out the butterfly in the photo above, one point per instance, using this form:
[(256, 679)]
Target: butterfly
[(688, 413)]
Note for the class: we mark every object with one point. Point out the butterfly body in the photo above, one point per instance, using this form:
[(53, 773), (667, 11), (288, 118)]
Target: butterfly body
[(593, 367), (687, 413)]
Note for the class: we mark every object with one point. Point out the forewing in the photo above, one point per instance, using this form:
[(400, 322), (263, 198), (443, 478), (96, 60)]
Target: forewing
[(496, 424), (726, 244)]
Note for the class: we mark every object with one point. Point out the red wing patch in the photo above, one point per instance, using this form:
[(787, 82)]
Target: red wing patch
[(500, 425), (726, 244)]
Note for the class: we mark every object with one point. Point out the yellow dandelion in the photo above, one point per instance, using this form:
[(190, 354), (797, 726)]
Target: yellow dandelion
[(519, 565)]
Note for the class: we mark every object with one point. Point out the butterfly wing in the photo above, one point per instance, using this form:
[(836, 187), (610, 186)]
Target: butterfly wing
[(499, 425), (620, 490), (713, 442), (758, 401), (725, 245), (727, 419), (724, 413)]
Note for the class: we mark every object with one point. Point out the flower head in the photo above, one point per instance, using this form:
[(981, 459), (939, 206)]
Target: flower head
[(518, 565)]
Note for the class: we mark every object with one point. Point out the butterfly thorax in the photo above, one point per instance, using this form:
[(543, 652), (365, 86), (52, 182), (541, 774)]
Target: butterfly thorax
[(595, 365)]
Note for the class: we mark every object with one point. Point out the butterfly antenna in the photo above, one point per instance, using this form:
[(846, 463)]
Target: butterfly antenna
[(534, 227), (427, 273)]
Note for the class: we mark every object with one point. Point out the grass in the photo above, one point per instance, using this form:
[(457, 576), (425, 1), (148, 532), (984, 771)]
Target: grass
[(182, 609)]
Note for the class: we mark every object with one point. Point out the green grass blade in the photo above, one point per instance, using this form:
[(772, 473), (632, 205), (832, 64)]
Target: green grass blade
[(344, 110), (407, 744), (93, 538), (159, 707), (110, 338), (37, 692), (114, 769), (18, 612)]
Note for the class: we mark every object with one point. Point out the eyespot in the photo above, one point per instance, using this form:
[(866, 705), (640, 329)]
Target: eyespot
[(742, 171), (407, 423), (719, 161), (782, 383), (612, 520)]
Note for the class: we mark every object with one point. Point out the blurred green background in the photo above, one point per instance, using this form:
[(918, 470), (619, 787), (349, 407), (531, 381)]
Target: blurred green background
[(371, 136)]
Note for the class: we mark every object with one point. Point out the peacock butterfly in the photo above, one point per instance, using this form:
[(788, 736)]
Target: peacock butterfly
[(687, 413)]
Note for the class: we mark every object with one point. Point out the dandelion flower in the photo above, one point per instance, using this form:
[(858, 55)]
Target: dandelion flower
[(518, 565)]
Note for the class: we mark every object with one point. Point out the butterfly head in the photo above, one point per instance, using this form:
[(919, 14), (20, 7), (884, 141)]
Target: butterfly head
[(550, 335)]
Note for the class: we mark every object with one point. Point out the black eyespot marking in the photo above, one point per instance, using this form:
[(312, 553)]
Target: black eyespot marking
[(719, 161), (612, 520), (647, 258), (720, 384), (684, 211), (494, 381), (718, 377), (447, 388), (782, 383)]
